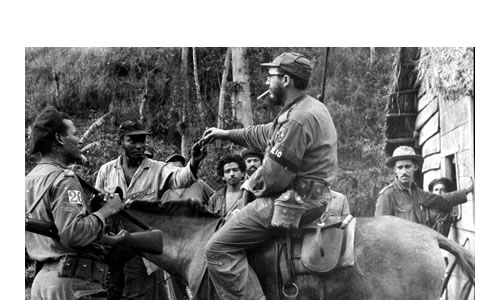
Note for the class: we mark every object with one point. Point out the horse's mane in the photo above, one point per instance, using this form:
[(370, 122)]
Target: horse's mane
[(180, 208)]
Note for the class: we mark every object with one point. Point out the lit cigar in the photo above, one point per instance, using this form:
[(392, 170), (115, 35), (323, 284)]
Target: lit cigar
[(263, 94)]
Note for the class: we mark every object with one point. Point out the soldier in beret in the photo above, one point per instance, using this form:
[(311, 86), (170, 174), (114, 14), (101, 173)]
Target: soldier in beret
[(404, 199), (69, 266), (253, 160), (298, 167)]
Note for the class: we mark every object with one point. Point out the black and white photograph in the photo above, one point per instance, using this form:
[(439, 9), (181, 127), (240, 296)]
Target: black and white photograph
[(249, 172), (251, 156)]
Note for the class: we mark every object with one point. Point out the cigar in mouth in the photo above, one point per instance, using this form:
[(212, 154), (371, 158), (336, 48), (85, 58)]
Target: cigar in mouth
[(264, 94)]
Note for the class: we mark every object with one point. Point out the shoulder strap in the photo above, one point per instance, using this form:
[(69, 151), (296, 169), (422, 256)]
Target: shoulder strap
[(44, 192)]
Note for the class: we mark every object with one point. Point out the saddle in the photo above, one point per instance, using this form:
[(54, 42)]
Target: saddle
[(318, 247)]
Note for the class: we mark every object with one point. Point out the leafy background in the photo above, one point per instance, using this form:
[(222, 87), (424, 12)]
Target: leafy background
[(90, 82)]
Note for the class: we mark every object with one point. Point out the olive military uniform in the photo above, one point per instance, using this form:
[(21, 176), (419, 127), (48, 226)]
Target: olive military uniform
[(301, 150), (63, 204), (412, 203)]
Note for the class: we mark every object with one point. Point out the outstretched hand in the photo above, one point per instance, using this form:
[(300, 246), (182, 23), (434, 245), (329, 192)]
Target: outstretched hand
[(198, 151), (212, 134)]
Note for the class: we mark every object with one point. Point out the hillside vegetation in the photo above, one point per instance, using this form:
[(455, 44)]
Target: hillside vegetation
[(119, 83)]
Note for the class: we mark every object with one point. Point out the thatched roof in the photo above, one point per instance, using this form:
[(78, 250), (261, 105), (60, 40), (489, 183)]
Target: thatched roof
[(445, 73)]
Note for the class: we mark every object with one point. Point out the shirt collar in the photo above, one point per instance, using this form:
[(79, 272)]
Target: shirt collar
[(145, 164), (401, 187), (294, 101), (49, 161)]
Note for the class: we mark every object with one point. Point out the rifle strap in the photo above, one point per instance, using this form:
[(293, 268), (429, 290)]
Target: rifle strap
[(35, 204)]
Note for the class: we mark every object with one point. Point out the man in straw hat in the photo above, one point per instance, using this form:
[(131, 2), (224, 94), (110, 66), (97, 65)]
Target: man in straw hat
[(299, 164), (404, 199)]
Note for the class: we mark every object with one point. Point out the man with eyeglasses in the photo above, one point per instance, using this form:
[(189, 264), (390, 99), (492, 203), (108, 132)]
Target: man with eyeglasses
[(298, 168)]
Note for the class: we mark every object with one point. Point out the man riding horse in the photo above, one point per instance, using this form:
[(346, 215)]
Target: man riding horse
[(298, 168)]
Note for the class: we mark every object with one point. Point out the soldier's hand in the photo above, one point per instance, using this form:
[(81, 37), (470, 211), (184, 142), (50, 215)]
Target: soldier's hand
[(212, 134), (113, 204), (470, 188), (198, 151)]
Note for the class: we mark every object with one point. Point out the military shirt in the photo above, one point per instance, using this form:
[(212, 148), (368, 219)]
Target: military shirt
[(412, 203), (148, 183), (151, 179), (64, 204), (301, 143)]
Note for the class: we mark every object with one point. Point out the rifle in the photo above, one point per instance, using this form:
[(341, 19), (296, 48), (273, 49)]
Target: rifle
[(149, 241)]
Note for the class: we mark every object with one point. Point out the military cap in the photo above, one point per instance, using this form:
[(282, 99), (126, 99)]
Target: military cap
[(46, 125), (252, 152), (294, 64), (131, 128)]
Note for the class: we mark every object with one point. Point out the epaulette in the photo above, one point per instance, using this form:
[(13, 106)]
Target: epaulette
[(385, 188), (283, 117)]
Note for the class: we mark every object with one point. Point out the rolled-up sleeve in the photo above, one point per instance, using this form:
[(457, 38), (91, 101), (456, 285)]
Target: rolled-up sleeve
[(177, 177)]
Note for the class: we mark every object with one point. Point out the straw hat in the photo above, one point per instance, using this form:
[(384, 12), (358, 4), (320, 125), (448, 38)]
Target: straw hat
[(402, 153)]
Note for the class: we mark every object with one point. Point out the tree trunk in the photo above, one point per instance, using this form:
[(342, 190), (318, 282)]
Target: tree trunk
[(372, 56), (55, 75), (201, 111), (241, 94), (222, 95), (185, 98)]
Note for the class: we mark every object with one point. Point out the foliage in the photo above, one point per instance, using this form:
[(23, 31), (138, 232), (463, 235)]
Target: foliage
[(90, 82), (447, 73)]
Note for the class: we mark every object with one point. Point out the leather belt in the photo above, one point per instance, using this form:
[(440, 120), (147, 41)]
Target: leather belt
[(84, 268)]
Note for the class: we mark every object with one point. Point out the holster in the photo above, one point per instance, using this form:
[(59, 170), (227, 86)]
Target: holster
[(84, 268), (287, 211)]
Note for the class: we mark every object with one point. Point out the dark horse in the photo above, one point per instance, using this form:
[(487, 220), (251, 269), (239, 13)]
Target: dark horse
[(394, 258)]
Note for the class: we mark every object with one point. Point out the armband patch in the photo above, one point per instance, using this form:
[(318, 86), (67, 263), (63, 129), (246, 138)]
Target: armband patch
[(280, 156), (75, 197)]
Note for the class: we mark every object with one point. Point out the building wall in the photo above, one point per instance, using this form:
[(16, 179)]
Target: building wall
[(446, 140)]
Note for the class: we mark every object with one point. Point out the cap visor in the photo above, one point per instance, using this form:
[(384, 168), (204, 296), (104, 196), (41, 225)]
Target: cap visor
[(269, 65)]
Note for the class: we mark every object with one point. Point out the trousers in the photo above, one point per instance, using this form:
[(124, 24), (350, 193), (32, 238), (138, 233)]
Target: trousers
[(141, 286), (225, 252), (48, 286)]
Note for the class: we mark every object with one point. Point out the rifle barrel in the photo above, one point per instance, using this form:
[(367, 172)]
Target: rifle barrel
[(122, 212)]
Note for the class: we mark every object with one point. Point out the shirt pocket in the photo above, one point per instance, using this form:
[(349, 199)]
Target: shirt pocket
[(403, 211)]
